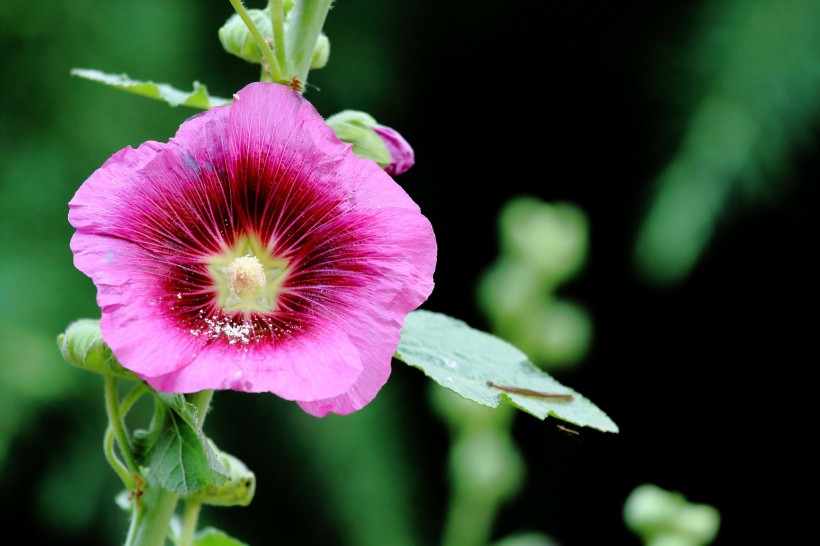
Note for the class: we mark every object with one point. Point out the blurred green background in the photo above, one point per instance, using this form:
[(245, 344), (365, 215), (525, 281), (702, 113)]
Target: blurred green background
[(683, 133)]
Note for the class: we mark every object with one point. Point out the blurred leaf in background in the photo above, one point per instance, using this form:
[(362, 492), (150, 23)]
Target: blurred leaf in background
[(752, 95)]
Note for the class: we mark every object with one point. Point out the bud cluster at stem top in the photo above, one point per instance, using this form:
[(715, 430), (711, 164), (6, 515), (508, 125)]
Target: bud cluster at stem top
[(280, 23)]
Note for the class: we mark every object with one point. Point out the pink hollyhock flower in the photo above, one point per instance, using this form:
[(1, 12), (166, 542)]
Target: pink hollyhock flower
[(254, 252)]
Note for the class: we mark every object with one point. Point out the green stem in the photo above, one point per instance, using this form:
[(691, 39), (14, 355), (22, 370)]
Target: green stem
[(469, 521), (475, 500), (125, 475), (153, 523), (131, 398), (108, 449), (306, 22), (136, 518), (273, 65), (277, 17), (112, 407), (189, 522)]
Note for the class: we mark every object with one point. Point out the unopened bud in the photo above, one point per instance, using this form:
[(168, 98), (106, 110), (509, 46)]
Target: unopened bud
[(357, 128), (321, 52), (82, 345), (373, 141), (237, 40)]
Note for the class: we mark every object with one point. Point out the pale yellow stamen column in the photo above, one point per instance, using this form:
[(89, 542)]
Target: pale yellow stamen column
[(245, 275)]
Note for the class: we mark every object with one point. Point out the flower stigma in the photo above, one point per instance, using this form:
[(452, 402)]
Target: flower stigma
[(245, 275)]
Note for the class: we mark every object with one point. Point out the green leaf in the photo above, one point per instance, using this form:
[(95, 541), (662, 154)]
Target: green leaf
[(198, 98), (215, 537), (464, 359), (182, 407), (177, 453)]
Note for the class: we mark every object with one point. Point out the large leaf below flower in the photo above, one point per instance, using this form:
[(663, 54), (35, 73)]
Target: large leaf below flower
[(178, 455), (198, 98), (464, 360)]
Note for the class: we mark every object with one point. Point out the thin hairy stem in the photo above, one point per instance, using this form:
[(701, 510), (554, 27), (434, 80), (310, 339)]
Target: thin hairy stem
[(273, 66)]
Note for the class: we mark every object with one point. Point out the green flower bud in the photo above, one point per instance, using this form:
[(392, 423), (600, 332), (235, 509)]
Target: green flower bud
[(649, 509), (666, 518), (82, 345), (699, 522), (237, 40), (357, 128), (550, 237), (238, 490), (321, 52)]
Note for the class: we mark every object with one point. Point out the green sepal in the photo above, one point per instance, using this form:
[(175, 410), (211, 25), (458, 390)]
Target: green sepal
[(82, 345), (356, 128), (238, 490)]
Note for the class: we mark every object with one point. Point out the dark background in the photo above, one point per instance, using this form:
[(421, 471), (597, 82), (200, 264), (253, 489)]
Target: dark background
[(565, 102)]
